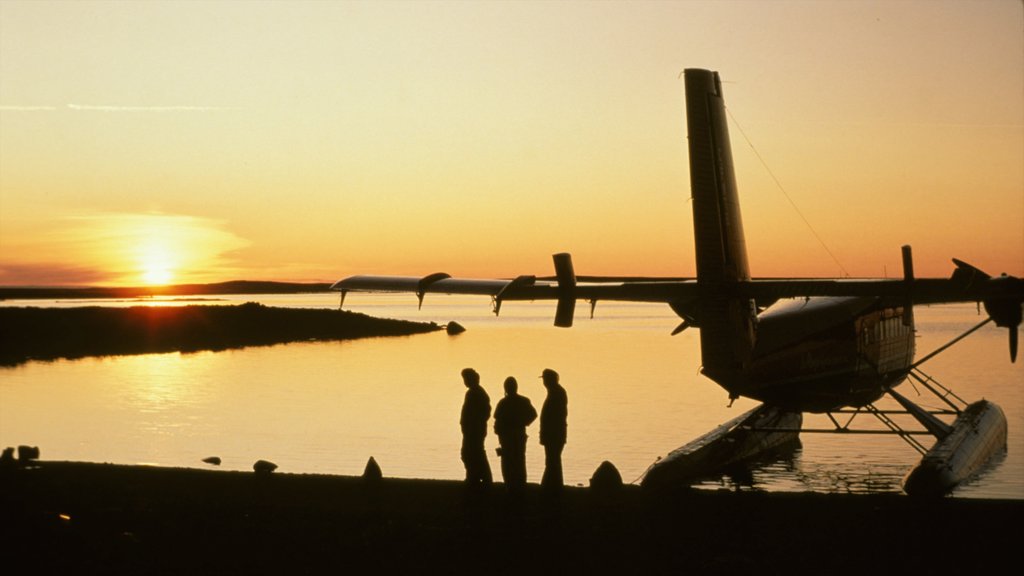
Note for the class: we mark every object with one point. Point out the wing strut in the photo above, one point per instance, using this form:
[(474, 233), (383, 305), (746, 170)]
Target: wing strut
[(937, 427), (950, 343)]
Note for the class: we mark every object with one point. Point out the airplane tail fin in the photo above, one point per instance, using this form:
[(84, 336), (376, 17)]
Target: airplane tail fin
[(727, 323)]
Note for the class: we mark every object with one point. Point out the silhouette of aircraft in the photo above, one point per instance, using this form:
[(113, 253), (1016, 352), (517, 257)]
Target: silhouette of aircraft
[(832, 346)]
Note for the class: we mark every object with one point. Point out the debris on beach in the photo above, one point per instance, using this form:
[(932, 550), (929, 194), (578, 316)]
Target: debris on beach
[(372, 472), (606, 478), (264, 467), (27, 453), (454, 328), (215, 460)]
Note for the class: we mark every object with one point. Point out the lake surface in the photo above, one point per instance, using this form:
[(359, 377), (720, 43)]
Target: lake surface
[(326, 407)]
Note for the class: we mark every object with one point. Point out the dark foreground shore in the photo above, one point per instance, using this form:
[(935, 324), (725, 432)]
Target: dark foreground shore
[(80, 518), (30, 333)]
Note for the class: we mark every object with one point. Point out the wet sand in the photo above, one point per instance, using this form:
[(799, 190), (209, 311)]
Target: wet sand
[(106, 519)]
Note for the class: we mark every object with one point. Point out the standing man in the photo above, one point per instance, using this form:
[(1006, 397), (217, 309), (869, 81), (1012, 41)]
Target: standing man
[(511, 417), (476, 410), (553, 416)]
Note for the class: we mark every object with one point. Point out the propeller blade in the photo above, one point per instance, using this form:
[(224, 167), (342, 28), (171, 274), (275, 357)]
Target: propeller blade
[(1006, 314)]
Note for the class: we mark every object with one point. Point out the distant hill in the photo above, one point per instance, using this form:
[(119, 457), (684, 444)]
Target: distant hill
[(233, 287)]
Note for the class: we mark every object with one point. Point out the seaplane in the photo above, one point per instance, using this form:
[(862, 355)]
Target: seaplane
[(820, 346)]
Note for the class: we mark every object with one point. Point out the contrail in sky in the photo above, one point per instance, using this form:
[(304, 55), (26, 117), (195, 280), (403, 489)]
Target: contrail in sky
[(96, 108), (26, 108)]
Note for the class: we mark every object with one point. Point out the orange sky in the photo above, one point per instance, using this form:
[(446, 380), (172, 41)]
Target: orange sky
[(208, 141)]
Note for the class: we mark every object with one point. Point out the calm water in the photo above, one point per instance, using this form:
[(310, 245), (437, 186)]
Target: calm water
[(634, 395)]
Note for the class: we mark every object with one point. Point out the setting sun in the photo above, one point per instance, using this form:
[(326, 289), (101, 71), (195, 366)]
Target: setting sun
[(157, 276), (156, 264), (131, 249)]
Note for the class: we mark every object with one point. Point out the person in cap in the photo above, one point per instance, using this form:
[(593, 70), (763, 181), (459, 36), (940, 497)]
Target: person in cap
[(511, 417), (476, 410), (553, 429)]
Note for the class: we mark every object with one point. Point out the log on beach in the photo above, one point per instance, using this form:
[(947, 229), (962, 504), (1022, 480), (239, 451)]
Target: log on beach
[(101, 518), (30, 333)]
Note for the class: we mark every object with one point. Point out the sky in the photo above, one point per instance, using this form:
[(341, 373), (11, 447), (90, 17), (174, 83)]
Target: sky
[(172, 142)]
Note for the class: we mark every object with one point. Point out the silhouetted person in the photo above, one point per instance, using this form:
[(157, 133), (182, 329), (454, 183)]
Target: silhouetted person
[(476, 410), (553, 427), (511, 417)]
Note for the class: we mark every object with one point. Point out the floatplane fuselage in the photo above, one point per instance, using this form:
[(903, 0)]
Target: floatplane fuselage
[(823, 354), (796, 345)]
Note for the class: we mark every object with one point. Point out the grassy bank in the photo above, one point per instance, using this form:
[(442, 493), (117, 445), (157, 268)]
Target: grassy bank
[(95, 518), (51, 333)]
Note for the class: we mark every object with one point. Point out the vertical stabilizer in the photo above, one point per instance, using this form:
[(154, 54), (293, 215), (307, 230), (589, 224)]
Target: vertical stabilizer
[(727, 324)]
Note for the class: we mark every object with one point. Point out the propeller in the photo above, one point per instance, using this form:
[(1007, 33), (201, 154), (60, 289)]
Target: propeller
[(1005, 311)]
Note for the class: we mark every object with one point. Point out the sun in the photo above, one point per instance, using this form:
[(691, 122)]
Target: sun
[(157, 264), (157, 276)]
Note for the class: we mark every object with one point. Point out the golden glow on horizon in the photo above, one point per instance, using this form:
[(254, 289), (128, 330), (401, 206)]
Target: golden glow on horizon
[(162, 248), (133, 249), (323, 139)]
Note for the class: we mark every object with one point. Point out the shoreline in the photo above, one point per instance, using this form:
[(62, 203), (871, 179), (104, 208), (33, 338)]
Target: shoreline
[(34, 333), (106, 518)]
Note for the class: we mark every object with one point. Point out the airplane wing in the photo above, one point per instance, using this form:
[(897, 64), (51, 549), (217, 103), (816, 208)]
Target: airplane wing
[(967, 284), (521, 287), (1002, 296), (565, 287)]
